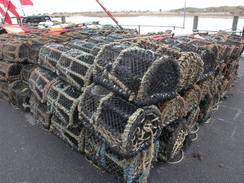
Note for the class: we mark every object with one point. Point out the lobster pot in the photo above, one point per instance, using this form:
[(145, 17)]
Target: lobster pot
[(10, 71), (26, 71), (40, 82), (70, 135), (172, 141), (118, 122), (58, 38), (34, 50), (206, 102), (63, 102), (172, 110), (19, 94), (117, 36), (192, 97), (90, 101), (40, 113), (148, 78), (4, 90), (75, 35), (74, 66), (99, 39), (135, 169), (107, 56), (50, 54), (14, 51), (85, 46)]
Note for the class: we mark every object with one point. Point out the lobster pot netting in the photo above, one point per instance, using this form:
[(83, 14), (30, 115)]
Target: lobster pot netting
[(206, 102), (50, 54), (74, 66), (10, 71), (90, 101), (106, 57), (208, 52), (58, 38), (34, 50), (4, 90), (134, 169), (75, 35), (40, 82), (14, 51), (172, 110), (40, 113), (85, 46), (63, 102), (70, 135), (26, 71), (19, 94), (172, 141), (122, 125)]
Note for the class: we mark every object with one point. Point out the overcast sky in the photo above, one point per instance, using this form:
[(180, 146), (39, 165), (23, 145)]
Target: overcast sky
[(42, 6)]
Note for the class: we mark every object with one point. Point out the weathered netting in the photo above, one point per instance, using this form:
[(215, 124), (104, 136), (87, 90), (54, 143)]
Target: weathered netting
[(172, 140), (26, 71), (63, 100), (85, 46), (208, 52), (70, 135), (19, 94), (10, 71), (74, 66), (106, 57), (40, 113), (3, 90), (58, 38), (75, 35), (40, 82), (124, 127), (172, 110), (34, 50), (14, 51), (134, 169), (50, 54)]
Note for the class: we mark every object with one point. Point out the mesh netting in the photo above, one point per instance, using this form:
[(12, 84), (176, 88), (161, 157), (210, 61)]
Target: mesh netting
[(134, 169), (14, 51), (40, 113), (3, 90), (85, 46), (75, 35), (63, 101), (70, 135), (50, 54), (40, 82), (19, 94), (26, 71), (74, 66), (172, 140), (123, 126), (107, 55), (172, 109), (10, 71)]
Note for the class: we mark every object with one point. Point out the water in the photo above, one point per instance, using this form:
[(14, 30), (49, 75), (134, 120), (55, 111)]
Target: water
[(205, 23)]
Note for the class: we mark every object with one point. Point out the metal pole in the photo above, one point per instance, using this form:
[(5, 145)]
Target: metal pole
[(184, 20), (235, 23), (195, 23)]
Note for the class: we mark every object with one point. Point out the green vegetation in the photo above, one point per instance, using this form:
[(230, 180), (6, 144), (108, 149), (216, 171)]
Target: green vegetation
[(222, 9)]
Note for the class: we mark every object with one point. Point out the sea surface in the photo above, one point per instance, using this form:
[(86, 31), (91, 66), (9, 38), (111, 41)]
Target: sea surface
[(205, 23)]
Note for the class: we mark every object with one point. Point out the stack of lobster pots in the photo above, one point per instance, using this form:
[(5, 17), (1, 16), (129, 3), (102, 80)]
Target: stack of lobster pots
[(123, 101)]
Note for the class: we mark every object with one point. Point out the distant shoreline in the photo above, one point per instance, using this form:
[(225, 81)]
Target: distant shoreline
[(153, 14)]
